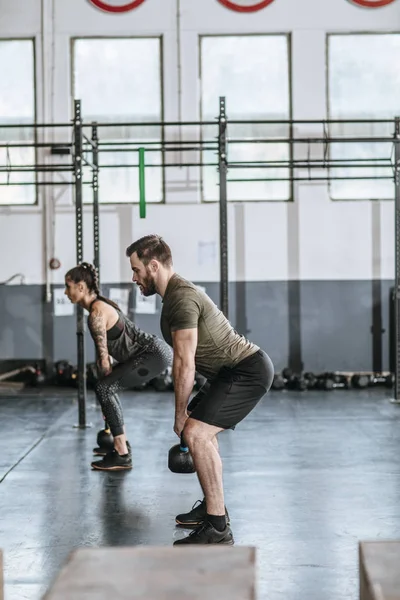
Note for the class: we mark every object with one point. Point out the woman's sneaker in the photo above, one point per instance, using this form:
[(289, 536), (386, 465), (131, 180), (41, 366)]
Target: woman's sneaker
[(197, 515), (113, 462), (103, 450)]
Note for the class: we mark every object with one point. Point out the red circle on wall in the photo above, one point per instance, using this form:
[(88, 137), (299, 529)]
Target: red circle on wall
[(372, 3), (116, 8), (246, 8)]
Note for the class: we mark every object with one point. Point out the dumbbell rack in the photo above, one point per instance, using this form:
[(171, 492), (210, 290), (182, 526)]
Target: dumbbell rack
[(328, 381), (397, 260)]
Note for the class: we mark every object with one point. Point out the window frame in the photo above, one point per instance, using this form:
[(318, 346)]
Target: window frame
[(289, 48), (35, 184), (331, 34), (160, 39)]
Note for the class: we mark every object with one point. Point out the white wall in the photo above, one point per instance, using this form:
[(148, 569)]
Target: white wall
[(312, 238)]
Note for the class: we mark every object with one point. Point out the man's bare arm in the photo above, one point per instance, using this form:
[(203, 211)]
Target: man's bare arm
[(183, 371)]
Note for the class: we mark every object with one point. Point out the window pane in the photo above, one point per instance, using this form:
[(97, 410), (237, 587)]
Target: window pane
[(17, 106), (123, 86), (256, 88), (364, 83)]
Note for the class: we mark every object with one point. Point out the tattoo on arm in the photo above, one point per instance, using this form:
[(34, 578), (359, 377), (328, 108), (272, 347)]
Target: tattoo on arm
[(97, 327)]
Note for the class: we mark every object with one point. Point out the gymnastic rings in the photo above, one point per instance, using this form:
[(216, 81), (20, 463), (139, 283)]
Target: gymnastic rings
[(245, 6), (117, 7), (372, 3)]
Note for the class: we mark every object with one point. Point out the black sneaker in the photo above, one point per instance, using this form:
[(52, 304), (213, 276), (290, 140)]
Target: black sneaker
[(207, 534), (102, 450), (197, 515), (113, 462)]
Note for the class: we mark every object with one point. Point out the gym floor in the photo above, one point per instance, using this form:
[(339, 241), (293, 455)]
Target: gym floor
[(306, 477)]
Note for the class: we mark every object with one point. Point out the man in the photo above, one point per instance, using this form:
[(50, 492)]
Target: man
[(238, 375)]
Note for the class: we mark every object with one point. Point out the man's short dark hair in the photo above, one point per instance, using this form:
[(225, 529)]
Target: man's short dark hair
[(151, 247)]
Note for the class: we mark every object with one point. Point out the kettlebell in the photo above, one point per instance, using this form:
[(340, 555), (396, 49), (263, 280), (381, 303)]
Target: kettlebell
[(179, 459), (105, 439)]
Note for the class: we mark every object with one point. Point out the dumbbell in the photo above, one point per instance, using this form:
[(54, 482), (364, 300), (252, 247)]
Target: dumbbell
[(139, 387), (163, 382), (179, 459), (294, 381), (64, 373), (37, 376), (289, 378), (380, 379), (333, 381), (287, 373), (311, 380), (300, 383), (278, 382), (360, 380), (283, 380), (329, 384), (341, 381)]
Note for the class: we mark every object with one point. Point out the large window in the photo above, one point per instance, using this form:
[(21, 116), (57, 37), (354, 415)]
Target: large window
[(364, 83), (17, 107), (252, 72), (118, 81)]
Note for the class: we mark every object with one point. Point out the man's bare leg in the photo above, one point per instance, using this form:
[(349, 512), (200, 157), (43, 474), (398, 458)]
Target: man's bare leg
[(216, 445), (201, 441), (203, 446)]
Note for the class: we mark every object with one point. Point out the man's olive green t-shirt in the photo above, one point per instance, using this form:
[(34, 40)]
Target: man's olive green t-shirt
[(185, 306)]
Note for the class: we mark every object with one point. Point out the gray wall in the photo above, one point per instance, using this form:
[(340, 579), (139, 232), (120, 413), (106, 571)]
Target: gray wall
[(312, 238), (21, 321), (326, 325)]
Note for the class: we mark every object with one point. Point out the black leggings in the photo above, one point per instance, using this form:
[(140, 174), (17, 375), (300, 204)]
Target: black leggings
[(137, 370)]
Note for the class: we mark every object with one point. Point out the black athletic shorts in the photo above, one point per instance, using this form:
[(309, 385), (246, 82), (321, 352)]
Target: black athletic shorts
[(232, 395)]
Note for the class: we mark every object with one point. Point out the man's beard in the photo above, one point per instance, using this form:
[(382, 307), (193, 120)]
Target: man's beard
[(148, 286)]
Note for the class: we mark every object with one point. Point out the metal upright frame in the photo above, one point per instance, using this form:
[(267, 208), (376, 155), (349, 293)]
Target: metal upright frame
[(80, 322), (95, 186), (397, 257), (223, 206)]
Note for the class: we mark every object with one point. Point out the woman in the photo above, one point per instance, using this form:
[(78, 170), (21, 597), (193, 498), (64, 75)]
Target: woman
[(140, 356)]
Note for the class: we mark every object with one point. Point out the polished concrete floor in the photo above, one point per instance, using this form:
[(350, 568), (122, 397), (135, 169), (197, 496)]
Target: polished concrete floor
[(306, 475)]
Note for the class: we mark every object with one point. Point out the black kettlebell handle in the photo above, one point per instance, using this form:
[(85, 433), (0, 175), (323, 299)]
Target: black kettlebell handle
[(184, 447)]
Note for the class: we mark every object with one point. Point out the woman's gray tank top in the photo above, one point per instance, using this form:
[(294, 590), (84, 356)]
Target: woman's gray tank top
[(125, 339)]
